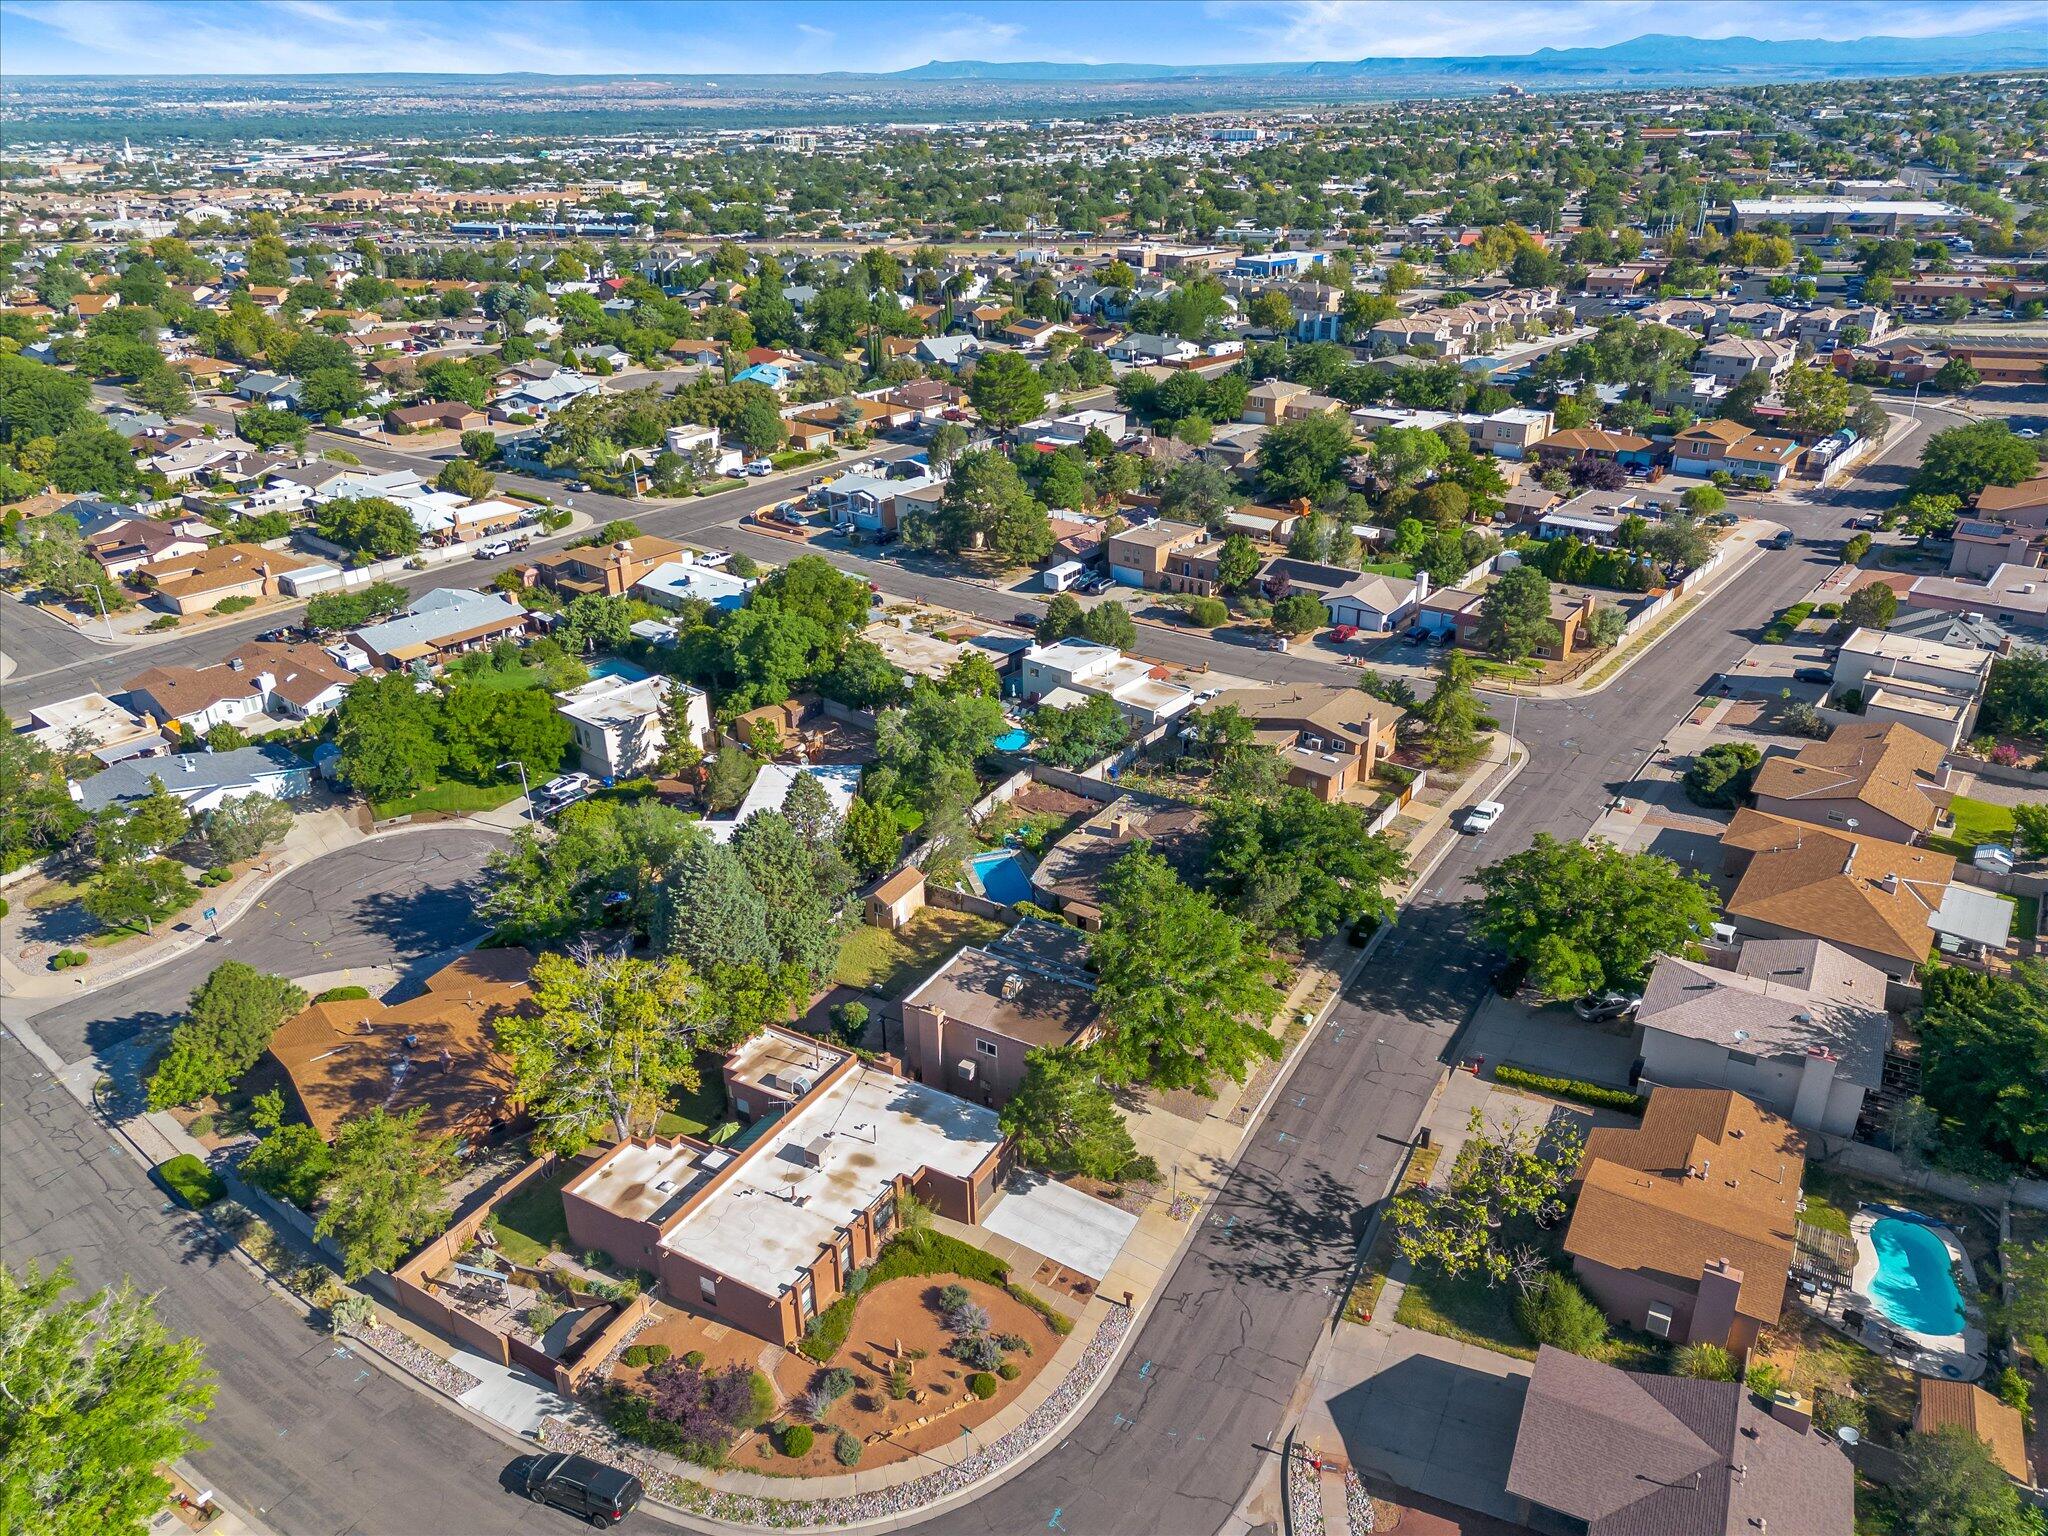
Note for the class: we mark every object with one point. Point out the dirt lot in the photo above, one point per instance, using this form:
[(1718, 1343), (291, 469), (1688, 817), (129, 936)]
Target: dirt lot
[(904, 1314)]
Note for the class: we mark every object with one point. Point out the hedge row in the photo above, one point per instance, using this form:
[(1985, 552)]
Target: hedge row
[(1576, 1089)]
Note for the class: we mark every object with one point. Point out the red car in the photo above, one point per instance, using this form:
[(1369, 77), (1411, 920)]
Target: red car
[(1344, 632)]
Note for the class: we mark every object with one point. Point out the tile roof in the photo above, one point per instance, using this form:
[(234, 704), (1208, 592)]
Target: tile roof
[(1639, 1209), (1888, 767), (1860, 892)]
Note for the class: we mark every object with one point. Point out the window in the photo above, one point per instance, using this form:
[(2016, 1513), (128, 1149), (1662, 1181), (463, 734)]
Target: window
[(1658, 1320), (985, 1047), (806, 1300), (846, 1256), (707, 1289), (885, 1214)]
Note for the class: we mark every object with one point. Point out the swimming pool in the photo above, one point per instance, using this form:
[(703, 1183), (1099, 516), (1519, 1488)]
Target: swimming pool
[(1914, 1287), (1002, 876), (1013, 740), (613, 666)]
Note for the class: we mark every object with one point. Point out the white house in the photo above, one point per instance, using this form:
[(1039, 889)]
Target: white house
[(617, 722), (1377, 604), (771, 787), (1070, 671), (686, 579), (202, 781)]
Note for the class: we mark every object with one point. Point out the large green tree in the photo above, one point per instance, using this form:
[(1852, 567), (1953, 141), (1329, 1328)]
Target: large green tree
[(1185, 990), (1297, 864), (604, 1044), (1984, 1050), (1006, 390), (1963, 460), (1514, 615), (228, 1024), (95, 1395), (1304, 458), (1065, 1120), (385, 1190), (1948, 1485), (1586, 917), (389, 736), (987, 506)]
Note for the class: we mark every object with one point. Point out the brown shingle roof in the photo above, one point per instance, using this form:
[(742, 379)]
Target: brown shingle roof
[(1883, 766), (1861, 892), (1640, 1210), (344, 1058), (1959, 1403)]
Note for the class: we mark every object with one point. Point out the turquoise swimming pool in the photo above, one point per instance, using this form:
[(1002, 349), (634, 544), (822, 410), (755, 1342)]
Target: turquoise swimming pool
[(1914, 1286), (615, 666), (1002, 876), (1013, 741)]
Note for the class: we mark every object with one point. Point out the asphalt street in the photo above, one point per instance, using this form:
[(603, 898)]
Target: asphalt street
[(393, 901), (1192, 1414)]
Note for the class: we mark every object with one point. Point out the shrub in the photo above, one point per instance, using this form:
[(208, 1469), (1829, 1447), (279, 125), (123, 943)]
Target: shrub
[(967, 1317), (694, 1359), (1721, 776), (1556, 1312), (343, 995), (899, 1380), (1009, 1370), (2013, 1391), (196, 1185), (1208, 612), (542, 1316), (952, 1297), (68, 959), (162, 622), (846, 1450), (1834, 1410), (1013, 1343), (1577, 1090), (351, 1314), (1704, 1362), (797, 1440), (645, 1354), (1765, 1380), (234, 604), (1055, 1319), (834, 1384), (850, 1021), (976, 1350), (983, 1385), (201, 1126)]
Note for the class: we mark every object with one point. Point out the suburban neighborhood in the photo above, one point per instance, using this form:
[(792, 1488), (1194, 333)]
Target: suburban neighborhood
[(1183, 798)]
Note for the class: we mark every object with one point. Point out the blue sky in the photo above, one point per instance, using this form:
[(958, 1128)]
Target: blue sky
[(769, 36)]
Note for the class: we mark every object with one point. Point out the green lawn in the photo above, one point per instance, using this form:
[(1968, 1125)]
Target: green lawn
[(1977, 821), (2026, 919), (531, 1225), (1469, 1310), (454, 799), (894, 961), (695, 1114), (1397, 568), (507, 679)]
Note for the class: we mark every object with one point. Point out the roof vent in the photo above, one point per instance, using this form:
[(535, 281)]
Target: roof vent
[(1013, 985)]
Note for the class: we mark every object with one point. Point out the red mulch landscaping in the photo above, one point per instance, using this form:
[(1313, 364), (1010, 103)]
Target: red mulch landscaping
[(904, 1313)]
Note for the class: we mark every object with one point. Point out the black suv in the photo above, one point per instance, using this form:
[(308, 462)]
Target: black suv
[(600, 1494)]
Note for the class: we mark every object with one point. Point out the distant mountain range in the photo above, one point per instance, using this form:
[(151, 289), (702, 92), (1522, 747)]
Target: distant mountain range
[(1719, 60)]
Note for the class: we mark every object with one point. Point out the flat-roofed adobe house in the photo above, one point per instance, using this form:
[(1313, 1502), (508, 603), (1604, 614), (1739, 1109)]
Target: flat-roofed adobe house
[(763, 1236), (1682, 1226), (968, 1027)]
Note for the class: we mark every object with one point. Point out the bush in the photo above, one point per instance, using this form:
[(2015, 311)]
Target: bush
[(1577, 1090), (1009, 1370), (2013, 1391), (68, 959), (846, 1450), (343, 995), (351, 1314), (1765, 1380), (1704, 1362), (234, 604), (1055, 1319), (1835, 1410), (1208, 612), (1013, 1343), (645, 1354), (966, 1317), (977, 1351), (201, 1126), (1721, 776), (850, 1021), (983, 1385), (899, 1380), (542, 1316), (1556, 1312), (162, 622), (797, 1439), (196, 1185), (694, 1359)]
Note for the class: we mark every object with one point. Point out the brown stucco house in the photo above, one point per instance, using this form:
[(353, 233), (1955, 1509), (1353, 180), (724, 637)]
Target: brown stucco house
[(606, 570), (1329, 739), (763, 1235), (1682, 1226), (969, 1025)]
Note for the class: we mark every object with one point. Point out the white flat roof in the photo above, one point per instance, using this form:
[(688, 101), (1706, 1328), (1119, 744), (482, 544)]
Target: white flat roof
[(639, 1182), (777, 1212), (1072, 1229), (771, 787)]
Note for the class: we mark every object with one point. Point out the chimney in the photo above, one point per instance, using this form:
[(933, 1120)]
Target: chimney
[(1889, 884), (1713, 1314), (1789, 1408)]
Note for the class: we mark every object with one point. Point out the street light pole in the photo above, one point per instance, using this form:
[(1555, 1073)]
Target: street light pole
[(100, 598), (524, 792)]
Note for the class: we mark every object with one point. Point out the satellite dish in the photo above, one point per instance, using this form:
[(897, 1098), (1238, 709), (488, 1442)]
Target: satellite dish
[(1848, 1435)]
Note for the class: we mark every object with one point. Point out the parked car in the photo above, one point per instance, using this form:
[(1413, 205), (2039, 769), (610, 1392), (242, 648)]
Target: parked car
[(283, 636), (1027, 618), (1598, 1007), (1480, 817), (600, 1494), (1819, 675), (758, 467)]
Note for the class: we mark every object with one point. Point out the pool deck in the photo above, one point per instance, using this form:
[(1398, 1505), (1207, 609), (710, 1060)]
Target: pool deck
[(1953, 1356)]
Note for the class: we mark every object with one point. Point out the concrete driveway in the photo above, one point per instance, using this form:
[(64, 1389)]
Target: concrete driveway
[(1424, 1412), (1553, 1040)]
